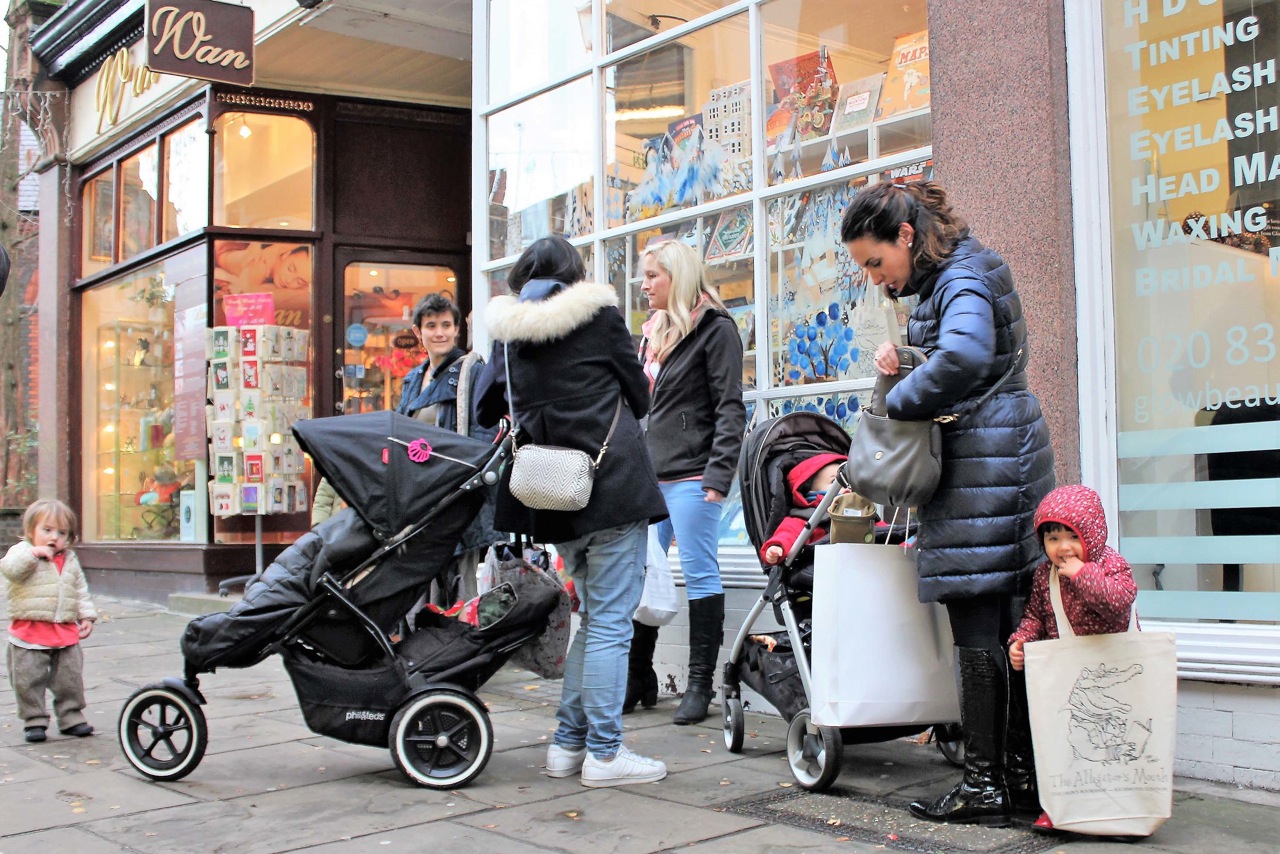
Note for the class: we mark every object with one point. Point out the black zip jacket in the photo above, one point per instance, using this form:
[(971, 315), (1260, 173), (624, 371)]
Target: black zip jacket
[(697, 417)]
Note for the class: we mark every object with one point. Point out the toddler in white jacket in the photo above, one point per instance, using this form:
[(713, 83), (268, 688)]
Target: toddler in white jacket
[(50, 612)]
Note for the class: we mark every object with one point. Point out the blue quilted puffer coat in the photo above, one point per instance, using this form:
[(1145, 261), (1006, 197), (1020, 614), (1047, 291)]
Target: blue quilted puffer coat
[(976, 533)]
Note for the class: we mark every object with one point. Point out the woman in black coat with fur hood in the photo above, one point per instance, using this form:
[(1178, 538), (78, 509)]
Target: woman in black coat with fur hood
[(977, 545), (567, 351)]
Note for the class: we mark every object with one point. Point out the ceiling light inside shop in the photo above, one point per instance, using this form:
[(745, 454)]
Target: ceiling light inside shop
[(245, 131), (644, 113), (107, 345), (451, 279), (284, 223)]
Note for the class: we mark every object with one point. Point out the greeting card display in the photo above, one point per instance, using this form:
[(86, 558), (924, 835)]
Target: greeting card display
[(256, 395)]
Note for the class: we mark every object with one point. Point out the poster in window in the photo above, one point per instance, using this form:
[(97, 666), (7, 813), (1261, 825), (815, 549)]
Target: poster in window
[(101, 220)]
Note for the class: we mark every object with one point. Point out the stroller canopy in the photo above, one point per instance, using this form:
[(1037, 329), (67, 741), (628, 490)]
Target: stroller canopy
[(768, 453), (390, 468)]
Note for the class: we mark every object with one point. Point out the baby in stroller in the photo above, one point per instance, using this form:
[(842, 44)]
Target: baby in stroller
[(809, 480), (788, 474), (329, 605)]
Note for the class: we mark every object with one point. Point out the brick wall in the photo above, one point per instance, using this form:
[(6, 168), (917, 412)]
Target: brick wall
[(1228, 733), (10, 528)]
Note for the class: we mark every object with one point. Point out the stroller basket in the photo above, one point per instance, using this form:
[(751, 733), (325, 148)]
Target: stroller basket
[(355, 706), (768, 666)]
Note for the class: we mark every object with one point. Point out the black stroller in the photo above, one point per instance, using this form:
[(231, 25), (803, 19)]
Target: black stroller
[(776, 664), (329, 603)]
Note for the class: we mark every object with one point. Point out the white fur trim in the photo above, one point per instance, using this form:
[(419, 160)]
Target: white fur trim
[(539, 321)]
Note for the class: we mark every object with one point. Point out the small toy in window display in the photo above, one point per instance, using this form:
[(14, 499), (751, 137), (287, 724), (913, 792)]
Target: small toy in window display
[(140, 354)]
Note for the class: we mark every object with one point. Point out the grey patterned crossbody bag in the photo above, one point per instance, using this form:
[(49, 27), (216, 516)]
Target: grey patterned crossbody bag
[(551, 477)]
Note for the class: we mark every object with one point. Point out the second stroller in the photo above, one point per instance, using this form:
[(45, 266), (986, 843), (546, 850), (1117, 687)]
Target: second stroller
[(776, 664)]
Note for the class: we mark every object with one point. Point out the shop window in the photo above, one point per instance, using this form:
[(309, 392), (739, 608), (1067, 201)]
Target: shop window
[(263, 171), (98, 207), (629, 21), (379, 345), (137, 482), (833, 100), (540, 156), (139, 192), (678, 135), (186, 188), (534, 41), (1196, 290)]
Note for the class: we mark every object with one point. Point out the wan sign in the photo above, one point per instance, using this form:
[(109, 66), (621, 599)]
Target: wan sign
[(201, 38)]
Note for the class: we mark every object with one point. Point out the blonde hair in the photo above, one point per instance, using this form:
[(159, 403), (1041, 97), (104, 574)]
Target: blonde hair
[(63, 517), (688, 288)]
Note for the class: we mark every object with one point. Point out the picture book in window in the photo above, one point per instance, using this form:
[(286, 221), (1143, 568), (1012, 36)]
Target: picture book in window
[(856, 104), (907, 86)]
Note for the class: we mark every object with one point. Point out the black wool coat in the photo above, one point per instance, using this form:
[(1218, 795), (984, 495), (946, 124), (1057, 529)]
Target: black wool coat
[(977, 534), (571, 358)]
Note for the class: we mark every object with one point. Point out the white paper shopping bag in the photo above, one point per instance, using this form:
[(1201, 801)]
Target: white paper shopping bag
[(880, 657)]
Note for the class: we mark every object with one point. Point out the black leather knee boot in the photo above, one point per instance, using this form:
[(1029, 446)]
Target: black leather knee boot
[(980, 798), (1019, 759), (706, 630), (642, 682)]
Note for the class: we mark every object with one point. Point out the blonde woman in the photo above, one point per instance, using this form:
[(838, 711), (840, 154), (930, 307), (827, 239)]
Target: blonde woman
[(693, 359)]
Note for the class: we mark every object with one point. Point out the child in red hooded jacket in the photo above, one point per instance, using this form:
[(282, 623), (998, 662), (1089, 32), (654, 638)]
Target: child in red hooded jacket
[(1097, 584), (809, 481)]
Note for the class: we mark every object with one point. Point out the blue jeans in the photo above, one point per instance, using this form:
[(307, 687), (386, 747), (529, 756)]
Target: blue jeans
[(607, 568), (695, 524)]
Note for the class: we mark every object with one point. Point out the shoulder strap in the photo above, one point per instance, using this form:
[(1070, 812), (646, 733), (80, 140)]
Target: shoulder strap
[(956, 416), (1060, 612)]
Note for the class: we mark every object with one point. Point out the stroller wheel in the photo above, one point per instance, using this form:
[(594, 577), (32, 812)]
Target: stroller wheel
[(441, 739), (162, 733), (950, 740), (735, 724), (814, 753)]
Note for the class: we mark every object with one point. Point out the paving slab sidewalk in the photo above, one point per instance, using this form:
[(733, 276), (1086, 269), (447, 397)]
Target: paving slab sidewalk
[(268, 784)]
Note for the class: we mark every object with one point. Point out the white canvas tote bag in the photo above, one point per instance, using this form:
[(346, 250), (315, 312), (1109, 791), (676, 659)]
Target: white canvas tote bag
[(1103, 723), (880, 656)]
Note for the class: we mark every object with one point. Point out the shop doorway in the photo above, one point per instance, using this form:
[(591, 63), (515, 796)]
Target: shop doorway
[(375, 345)]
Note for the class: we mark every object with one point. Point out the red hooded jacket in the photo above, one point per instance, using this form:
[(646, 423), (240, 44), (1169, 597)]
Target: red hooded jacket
[(1097, 600), (791, 526)]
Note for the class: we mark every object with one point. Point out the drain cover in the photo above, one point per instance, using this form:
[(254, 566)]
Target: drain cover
[(843, 812)]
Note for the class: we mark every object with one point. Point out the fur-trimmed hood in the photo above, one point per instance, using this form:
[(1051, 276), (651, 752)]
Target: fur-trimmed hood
[(539, 321)]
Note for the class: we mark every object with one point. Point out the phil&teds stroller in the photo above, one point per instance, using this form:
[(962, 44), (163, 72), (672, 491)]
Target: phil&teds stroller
[(776, 664), (329, 602)]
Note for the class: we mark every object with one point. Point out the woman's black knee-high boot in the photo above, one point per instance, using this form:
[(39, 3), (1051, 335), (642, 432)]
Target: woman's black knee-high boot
[(706, 631), (980, 798), (642, 682)]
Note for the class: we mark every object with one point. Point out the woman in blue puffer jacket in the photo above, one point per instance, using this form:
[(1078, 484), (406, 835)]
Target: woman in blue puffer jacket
[(977, 545)]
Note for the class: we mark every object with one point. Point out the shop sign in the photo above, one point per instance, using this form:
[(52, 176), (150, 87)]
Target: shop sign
[(357, 334), (201, 38), (405, 341), (119, 77)]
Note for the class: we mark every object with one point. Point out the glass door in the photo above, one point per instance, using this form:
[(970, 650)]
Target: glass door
[(378, 346)]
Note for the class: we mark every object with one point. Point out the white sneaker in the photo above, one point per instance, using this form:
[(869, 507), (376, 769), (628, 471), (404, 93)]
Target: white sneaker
[(563, 762), (621, 770)]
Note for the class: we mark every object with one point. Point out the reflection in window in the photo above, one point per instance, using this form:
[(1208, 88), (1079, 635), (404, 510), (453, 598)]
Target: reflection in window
[(186, 186), (134, 484), (540, 156), (676, 134), (534, 41), (98, 211), (263, 171), (139, 190)]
